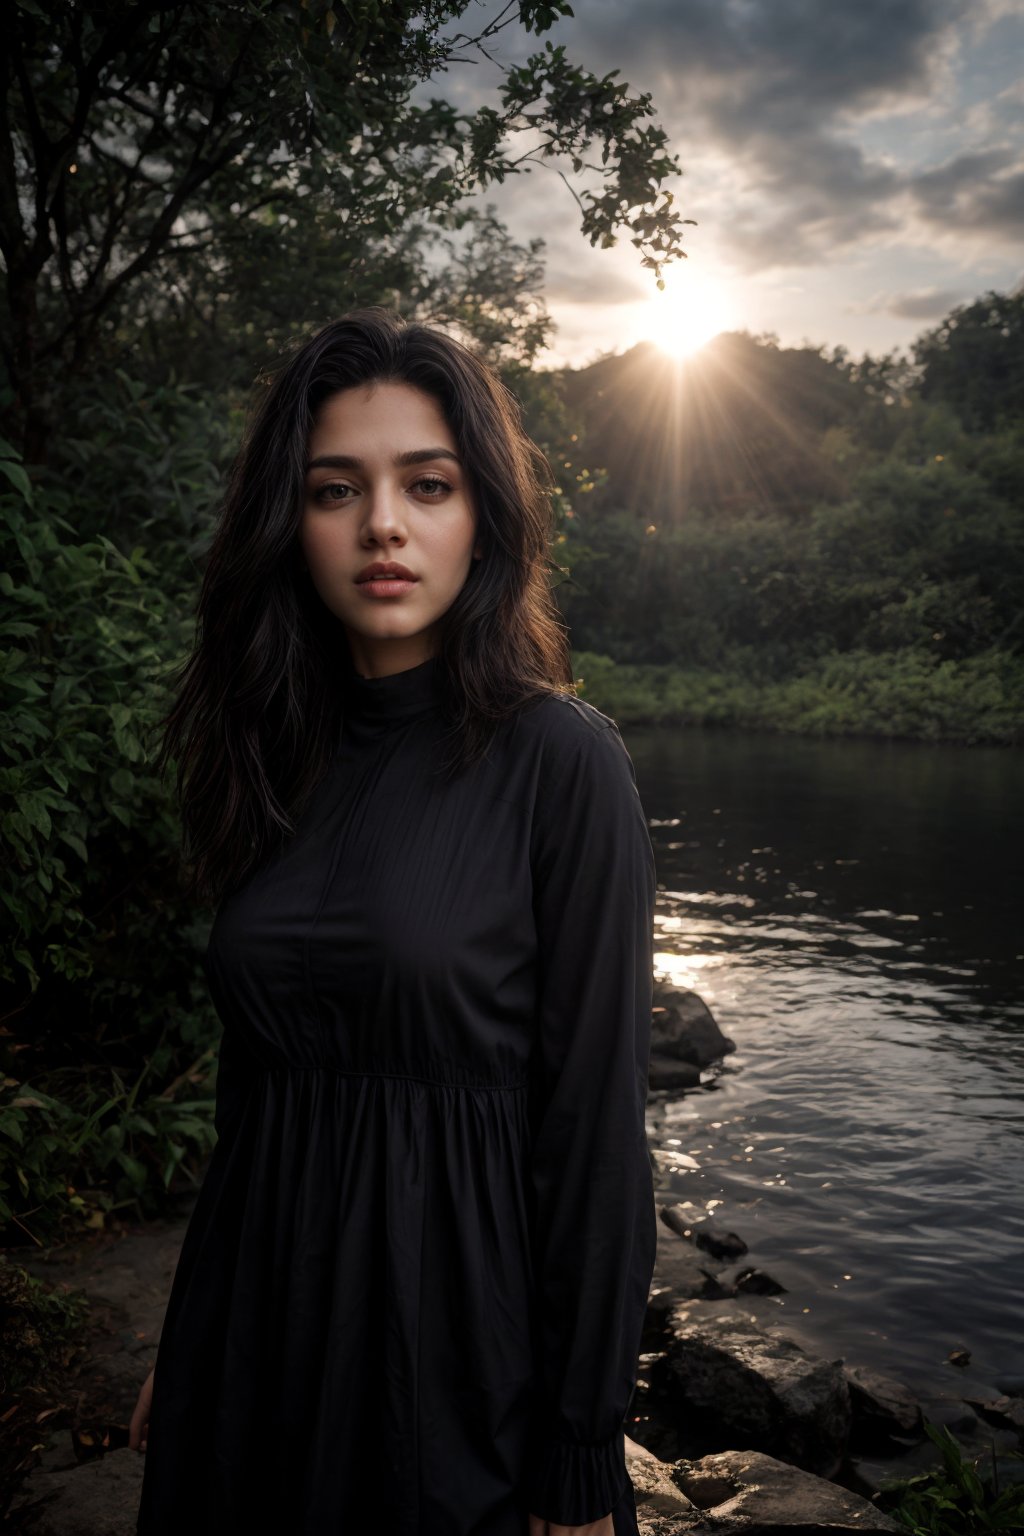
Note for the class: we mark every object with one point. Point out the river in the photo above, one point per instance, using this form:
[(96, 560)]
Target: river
[(850, 912)]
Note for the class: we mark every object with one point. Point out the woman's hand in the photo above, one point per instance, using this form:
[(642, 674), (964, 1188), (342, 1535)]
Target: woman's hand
[(138, 1429), (602, 1527)]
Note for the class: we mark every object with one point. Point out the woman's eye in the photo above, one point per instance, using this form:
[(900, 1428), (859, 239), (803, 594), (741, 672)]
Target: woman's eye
[(323, 493), (432, 484)]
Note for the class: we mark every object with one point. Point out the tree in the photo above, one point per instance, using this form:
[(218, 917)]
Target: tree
[(974, 361), (219, 321), (139, 138)]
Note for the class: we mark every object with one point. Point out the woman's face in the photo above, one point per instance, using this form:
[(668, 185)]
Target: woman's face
[(363, 504)]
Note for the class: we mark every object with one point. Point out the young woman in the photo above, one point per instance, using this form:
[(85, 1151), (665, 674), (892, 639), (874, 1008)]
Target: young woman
[(411, 1292)]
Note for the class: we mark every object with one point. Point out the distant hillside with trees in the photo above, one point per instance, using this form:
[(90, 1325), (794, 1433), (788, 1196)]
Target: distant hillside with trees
[(794, 539)]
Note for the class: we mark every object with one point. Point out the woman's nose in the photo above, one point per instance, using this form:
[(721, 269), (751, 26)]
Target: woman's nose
[(385, 512)]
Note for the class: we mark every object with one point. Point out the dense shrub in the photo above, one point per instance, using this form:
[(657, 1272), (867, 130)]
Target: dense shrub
[(106, 1026), (904, 694)]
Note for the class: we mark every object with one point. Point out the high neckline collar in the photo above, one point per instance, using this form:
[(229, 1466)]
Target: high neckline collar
[(393, 699)]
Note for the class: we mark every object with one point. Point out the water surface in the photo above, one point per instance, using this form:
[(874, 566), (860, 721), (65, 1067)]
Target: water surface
[(849, 910)]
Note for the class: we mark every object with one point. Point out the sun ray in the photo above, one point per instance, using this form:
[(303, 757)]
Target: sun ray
[(663, 411)]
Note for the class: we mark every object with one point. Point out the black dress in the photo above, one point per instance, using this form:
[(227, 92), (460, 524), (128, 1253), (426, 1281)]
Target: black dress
[(411, 1291)]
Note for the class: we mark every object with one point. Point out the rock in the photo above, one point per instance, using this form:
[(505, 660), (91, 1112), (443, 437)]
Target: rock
[(668, 1072), (1005, 1411), (876, 1472), (882, 1408), (756, 1282), (716, 1241), (681, 1274), (691, 1222), (97, 1498), (993, 1448), (683, 1028), (745, 1492), (654, 1485), (759, 1390), (750, 1492)]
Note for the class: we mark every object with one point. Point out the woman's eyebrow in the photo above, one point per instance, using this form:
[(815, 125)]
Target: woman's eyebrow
[(400, 461)]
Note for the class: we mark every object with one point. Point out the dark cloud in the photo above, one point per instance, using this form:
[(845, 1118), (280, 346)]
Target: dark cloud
[(776, 92), (777, 87), (805, 214), (770, 64), (972, 193), (931, 304)]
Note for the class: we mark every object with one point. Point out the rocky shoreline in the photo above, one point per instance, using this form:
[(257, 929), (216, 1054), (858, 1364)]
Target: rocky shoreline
[(744, 1427), (755, 1429)]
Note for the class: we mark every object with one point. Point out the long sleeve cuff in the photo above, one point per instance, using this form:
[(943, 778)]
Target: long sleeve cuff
[(572, 1484)]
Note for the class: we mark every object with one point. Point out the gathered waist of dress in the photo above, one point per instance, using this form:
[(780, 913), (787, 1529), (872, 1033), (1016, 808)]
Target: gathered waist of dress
[(460, 1078)]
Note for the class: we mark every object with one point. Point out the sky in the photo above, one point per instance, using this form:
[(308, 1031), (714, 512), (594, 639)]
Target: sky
[(855, 167)]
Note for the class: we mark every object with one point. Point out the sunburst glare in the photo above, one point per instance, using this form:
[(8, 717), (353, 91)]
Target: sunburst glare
[(689, 312)]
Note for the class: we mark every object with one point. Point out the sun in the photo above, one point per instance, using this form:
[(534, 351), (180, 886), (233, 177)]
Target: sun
[(686, 315)]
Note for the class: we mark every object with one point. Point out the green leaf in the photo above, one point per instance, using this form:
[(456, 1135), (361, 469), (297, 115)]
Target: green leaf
[(18, 478), (35, 812), (135, 1170), (74, 842)]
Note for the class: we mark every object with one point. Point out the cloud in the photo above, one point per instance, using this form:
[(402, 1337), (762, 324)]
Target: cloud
[(600, 285), (996, 115), (981, 190), (921, 304), (813, 198), (783, 90), (767, 67), (814, 135)]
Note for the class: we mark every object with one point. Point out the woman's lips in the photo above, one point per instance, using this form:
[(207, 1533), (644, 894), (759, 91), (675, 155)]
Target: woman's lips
[(385, 586)]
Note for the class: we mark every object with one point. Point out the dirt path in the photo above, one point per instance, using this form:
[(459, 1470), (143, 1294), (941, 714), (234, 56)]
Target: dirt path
[(71, 1488)]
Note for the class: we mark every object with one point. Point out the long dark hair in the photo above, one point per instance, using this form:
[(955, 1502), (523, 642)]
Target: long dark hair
[(258, 707)]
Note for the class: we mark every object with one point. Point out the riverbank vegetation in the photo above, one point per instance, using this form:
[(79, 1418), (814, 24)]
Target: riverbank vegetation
[(792, 540)]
